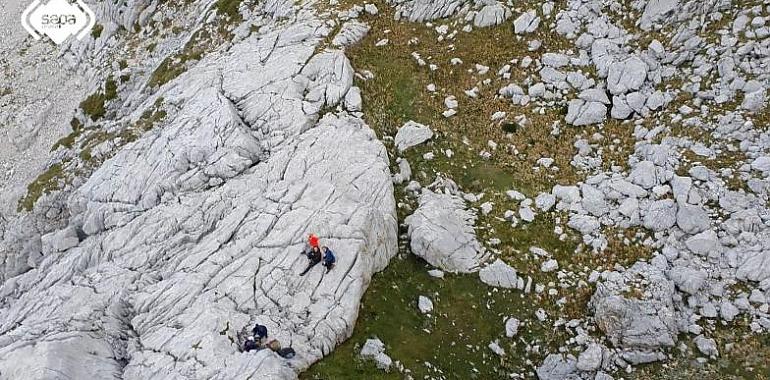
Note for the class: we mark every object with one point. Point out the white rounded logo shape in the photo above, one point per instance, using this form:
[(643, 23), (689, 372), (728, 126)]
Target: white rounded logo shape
[(58, 19)]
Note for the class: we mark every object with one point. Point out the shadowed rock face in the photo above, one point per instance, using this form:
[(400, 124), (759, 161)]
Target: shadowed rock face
[(193, 232)]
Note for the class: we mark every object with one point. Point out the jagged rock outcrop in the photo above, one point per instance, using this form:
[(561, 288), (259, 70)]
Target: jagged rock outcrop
[(192, 232), (640, 322)]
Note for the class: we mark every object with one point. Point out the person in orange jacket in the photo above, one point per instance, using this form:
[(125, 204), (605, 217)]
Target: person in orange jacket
[(312, 242), (313, 252)]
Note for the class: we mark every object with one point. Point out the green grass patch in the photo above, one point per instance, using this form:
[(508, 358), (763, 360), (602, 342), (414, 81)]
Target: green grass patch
[(229, 8), (467, 316), (69, 140), (94, 105), (51, 180), (96, 32), (202, 42)]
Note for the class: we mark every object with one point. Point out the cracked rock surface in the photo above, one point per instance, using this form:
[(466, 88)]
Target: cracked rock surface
[(190, 234)]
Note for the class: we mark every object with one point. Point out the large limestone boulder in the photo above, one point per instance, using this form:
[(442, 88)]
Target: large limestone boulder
[(191, 233), (441, 232)]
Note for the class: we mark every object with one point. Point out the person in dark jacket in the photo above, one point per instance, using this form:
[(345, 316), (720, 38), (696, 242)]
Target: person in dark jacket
[(314, 257), (312, 242), (250, 344), (260, 332), (329, 258)]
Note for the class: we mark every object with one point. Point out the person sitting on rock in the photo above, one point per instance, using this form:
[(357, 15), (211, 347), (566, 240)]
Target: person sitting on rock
[(329, 258), (250, 344), (312, 242), (315, 257)]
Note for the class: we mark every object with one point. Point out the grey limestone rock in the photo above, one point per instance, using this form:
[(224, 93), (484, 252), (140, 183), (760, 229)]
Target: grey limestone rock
[(627, 75), (595, 95), (350, 33), (555, 59), (558, 367), (424, 304), (581, 112), (59, 241), (656, 10), (591, 358), (441, 232), (707, 346), (422, 10), (545, 201), (374, 349), (491, 14), (692, 219), (549, 266), (527, 22), (687, 279), (511, 327), (660, 215), (705, 243), (593, 200), (412, 134), (754, 265), (637, 324), (191, 232), (404, 171), (728, 311), (755, 100), (499, 274), (620, 108)]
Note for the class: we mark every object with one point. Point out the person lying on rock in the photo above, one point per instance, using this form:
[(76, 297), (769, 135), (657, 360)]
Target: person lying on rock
[(315, 257), (329, 258), (250, 344), (275, 346), (312, 242)]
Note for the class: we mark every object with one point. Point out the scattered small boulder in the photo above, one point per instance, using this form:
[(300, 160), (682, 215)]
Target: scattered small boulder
[(374, 349), (412, 134), (499, 274), (424, 304), (512, 327)]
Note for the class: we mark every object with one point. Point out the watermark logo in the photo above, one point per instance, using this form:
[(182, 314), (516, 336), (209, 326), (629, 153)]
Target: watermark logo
[(58, 19)]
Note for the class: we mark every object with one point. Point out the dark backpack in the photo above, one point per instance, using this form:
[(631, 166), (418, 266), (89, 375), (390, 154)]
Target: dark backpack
[(259, 331), (287, 353)]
